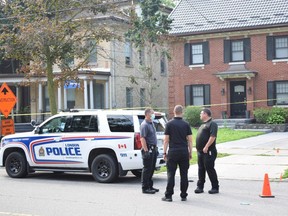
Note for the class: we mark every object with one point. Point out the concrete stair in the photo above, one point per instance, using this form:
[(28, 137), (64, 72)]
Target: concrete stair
[(231, 123)]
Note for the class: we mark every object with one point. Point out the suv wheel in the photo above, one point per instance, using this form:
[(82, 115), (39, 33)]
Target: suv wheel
[(104, 168), (16, 165)]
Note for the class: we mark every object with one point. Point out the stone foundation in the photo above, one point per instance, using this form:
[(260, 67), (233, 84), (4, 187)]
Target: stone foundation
[(273, 127)]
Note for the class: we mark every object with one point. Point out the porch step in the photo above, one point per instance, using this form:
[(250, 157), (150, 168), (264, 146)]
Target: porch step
[(231, 123)]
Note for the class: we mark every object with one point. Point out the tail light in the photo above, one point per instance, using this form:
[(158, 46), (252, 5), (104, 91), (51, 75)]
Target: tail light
[(137, 141)]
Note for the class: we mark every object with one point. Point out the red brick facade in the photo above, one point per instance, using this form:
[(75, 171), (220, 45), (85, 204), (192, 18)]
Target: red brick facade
[(256, 87)]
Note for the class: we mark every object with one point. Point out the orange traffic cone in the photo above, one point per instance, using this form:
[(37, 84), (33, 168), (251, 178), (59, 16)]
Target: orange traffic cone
[(266, 192), (281, 177)]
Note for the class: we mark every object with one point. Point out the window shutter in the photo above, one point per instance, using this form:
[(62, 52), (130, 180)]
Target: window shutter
[(270, 93), (207, 95), (187, 54), (227, 50), (206, 53), (247, 49), (187, 95), (270, 47)]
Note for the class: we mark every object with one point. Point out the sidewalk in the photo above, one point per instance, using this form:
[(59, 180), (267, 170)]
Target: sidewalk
[(251, 158)]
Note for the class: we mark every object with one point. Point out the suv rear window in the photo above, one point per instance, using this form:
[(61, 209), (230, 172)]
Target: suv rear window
[(120, 123), (159, 122)]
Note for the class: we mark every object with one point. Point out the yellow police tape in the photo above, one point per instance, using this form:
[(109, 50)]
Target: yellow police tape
[(156, 108)]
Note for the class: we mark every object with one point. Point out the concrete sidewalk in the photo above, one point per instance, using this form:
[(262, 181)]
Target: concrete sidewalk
[(251, 158)]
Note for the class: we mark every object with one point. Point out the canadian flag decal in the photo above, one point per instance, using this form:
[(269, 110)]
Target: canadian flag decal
[(120, 146)]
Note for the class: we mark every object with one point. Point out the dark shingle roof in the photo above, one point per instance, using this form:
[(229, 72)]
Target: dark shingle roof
[(203, 16)]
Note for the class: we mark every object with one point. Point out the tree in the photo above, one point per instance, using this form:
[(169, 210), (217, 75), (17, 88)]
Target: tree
[(43, 33), (149, 31)]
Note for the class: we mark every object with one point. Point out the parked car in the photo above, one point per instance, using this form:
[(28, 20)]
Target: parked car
[(103, 142)]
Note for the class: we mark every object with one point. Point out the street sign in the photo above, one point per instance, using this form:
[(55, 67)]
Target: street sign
[(7, 127), (7, 100)]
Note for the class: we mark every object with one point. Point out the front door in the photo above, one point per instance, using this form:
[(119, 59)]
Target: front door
[(238, 99)]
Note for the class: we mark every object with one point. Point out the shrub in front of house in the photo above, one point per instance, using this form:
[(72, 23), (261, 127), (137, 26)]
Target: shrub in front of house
[(192, 115), (275, 119), (275, 115)]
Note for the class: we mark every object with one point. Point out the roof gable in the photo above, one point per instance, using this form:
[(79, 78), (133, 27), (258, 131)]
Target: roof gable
[(205, 16)]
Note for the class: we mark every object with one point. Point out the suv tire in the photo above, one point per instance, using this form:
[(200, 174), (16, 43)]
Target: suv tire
[(104, 168), (16, 165)]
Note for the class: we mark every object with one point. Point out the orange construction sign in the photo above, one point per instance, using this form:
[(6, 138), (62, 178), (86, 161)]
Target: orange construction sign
[(7, 127), (7, 100)]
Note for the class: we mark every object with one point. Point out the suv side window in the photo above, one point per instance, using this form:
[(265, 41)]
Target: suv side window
[(120, 123), (85, 123), (55, 125)]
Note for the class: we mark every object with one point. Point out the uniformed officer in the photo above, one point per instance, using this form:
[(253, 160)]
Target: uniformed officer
[(207, 152), (149, 151)]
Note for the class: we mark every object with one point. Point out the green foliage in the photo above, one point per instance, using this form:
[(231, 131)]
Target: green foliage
[(192, 115), (168, 3), (46, 33), (261, 115), (275, 119), (275, 115), (150, 27)]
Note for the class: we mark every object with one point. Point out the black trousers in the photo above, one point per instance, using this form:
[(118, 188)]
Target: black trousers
[(149, 161), (206, 163), (177, 158)]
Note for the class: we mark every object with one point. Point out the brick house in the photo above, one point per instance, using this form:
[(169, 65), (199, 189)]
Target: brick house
[(230, 55)]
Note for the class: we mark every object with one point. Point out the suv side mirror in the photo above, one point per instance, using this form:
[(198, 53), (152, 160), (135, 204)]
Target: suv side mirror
[(33, 122), (37, 130)]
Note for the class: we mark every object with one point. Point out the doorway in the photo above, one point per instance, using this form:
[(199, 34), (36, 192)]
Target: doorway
[(238, 99)]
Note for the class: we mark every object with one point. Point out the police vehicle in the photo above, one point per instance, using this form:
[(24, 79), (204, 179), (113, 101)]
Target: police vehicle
[(105, 143)]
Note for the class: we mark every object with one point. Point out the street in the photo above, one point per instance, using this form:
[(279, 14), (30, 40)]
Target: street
[(78, 194)]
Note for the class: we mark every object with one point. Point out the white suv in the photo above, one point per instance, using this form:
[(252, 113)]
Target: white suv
[(103, 142)]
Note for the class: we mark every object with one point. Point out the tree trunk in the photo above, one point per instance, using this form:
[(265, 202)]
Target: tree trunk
[(50, 82)]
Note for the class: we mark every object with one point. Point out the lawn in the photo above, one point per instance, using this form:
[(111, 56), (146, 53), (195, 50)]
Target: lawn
[(224, 135)]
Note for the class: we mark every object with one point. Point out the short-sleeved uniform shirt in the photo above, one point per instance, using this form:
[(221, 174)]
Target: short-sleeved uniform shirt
[(206, 130), (148, 131), (178, 130)]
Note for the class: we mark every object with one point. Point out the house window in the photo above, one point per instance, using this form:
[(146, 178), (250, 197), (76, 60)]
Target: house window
[(141, 56), (197, 95), (92, 58), (71, 98), (142, 97), (46, 100), (163, 68), (277, 47), (277, 92), (281, 48), (128, 53), (237, 50), (196, 53), (129, 97)]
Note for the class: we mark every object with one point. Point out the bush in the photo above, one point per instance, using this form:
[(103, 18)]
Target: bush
[(261, 115), (192, 115), (280, 111), (275, 119), (275, 115)]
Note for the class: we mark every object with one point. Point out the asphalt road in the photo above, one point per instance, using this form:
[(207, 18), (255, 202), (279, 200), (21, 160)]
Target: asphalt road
[(77, 194)]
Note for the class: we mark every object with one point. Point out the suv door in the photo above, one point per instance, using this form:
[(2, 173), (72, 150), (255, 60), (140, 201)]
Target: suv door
[(80, 131), (46, 149)]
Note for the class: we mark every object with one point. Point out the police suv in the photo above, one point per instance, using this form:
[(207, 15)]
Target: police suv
[(103, 142)]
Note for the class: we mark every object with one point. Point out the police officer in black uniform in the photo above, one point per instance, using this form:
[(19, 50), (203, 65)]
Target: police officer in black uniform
[(178, 135), (207, 153)]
